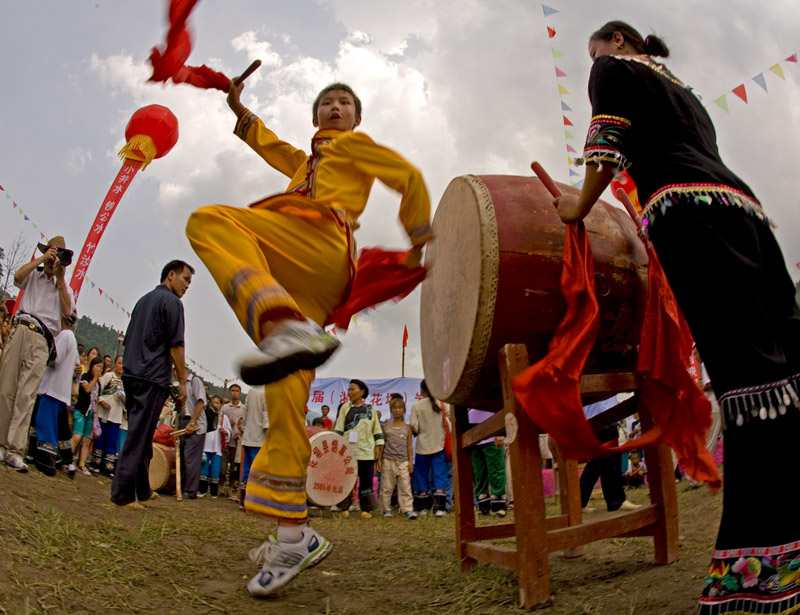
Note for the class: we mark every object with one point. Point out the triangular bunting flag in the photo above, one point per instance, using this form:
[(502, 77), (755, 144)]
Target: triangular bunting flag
[(556, 53), (34, 224), (562, 90), (548, 11), (101, 291), (761, 81), (740, 92), (578, 185), (43, 237), (566, 121), (722, 103), (571, 149), (15, 203), (792, 58), (550, 32), (574, 173), (569, 161), (776, 68), (26, 218), (569, 135), (560, 73), (3, 189), (92, 283), (8, 197), (129, 314), (565, 106)]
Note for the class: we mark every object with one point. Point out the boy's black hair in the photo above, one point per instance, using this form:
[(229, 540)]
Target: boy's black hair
[(177, 266), (336, 86)]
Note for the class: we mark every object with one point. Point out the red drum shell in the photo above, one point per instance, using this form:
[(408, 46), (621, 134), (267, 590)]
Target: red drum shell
[(332, 469), (494, 279)]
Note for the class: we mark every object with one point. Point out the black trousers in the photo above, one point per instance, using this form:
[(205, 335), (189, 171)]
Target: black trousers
[(730, 280), (144, 401), (607, 469), (366, 493), (191, 458)]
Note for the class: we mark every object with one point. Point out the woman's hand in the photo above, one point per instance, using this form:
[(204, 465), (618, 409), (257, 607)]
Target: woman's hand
[(568, 208)]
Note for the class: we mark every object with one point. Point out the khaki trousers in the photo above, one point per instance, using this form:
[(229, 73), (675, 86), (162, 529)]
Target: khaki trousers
[(21, 370), (393, 473)]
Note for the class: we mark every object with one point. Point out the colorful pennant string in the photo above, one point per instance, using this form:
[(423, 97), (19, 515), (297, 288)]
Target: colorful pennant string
[(740, 91), (562, 91)]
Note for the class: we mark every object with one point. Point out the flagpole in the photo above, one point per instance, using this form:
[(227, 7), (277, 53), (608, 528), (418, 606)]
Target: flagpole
[(403, 364)]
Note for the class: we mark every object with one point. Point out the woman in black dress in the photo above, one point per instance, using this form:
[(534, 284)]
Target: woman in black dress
[(724, 265)]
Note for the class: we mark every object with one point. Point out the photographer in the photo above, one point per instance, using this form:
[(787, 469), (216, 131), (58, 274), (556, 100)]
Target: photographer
[(46, 298)]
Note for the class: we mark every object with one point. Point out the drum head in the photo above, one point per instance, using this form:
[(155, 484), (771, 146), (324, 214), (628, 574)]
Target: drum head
[(162, 467), (463, 264), (332, 469)]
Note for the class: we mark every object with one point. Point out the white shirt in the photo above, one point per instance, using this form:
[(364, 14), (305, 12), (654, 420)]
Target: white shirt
[(256, 420), (214, 438), (115, 414), (57, 380), (41, 299)]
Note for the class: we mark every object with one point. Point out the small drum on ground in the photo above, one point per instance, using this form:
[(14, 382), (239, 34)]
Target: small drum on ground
[(494, 278), (162, 468), (332, 470)]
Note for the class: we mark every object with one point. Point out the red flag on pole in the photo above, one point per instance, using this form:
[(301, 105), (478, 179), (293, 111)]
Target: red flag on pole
[(405, 336)]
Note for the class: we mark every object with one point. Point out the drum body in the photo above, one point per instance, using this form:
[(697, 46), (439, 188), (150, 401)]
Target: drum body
[(494, 278), (332, 469), (162, 468)]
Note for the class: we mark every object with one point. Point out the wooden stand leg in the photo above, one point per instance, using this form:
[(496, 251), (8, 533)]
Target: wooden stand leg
[(529, 513), (661, 477), (462, 485), (570, 496)]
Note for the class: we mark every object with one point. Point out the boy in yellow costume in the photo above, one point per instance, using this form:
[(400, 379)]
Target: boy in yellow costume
[(284, 265)]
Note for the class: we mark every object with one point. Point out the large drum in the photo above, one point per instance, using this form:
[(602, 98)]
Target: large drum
[(332, 470), (162, 468), (494, 279)]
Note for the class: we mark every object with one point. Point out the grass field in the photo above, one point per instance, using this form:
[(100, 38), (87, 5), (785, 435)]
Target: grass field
[(66, 551)]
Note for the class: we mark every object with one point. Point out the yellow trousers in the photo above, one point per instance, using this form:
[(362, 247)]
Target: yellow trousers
[(270, 263)]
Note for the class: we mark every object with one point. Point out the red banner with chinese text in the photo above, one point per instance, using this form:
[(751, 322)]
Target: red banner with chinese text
[(113, 197)]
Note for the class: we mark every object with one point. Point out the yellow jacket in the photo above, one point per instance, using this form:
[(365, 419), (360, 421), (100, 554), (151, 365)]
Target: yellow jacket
[(341, 170)]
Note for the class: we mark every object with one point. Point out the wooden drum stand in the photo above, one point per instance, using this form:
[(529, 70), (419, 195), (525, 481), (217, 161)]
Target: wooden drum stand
[(536, 534)]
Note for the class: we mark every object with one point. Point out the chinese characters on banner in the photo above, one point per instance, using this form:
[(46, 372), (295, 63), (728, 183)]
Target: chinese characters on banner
[(114, 196), (333, 391)]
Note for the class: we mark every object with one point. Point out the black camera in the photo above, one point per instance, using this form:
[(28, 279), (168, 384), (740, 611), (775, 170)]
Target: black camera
[(175, 392), (65, 256)]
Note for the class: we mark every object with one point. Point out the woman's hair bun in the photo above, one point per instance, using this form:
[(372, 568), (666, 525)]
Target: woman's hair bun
[(654, 46)]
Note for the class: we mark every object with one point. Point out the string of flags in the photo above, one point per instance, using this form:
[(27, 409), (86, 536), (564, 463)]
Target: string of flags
[(95, 286), (740, 91), (574, 176)]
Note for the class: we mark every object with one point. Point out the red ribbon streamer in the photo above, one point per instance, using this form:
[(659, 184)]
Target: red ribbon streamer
[(169, 61), (381, 275)]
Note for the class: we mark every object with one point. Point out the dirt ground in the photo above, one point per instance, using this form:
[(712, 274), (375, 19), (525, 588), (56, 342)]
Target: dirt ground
[(66, 551)]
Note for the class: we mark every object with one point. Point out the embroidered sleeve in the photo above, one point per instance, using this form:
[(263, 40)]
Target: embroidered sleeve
[(605, 142), (612, 92)]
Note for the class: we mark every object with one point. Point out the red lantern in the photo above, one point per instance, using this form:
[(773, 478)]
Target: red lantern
[(151, 133)]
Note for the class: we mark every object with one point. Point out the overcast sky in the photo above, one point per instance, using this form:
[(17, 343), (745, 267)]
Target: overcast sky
[(456, 87)]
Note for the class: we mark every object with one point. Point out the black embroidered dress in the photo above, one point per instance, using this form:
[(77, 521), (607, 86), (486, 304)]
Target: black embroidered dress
[(729, 277)]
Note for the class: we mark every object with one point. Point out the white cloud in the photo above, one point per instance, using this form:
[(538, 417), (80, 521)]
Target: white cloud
[(77, 159)]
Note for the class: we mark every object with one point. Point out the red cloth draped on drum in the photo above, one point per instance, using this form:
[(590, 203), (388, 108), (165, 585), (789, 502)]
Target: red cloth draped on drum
[(549, 391)]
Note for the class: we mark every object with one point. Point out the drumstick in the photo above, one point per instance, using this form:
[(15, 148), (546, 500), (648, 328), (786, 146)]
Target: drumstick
[(626, 201), (546, 179), (178, 488), (248, 71)]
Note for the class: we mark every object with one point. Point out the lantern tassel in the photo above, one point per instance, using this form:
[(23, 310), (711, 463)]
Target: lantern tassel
[(141, 148)]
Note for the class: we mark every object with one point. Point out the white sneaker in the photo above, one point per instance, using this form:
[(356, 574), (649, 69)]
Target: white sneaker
[(440, 513), (284, 561), (291, 346), (15, 462)]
